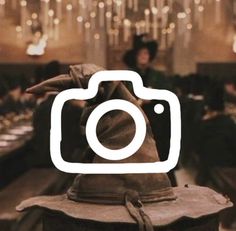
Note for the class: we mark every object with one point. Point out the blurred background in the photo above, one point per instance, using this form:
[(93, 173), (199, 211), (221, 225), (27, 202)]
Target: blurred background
[(185, 46)]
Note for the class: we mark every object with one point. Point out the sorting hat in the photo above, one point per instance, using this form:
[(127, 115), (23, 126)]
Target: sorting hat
[(147, 199), (140, 42)]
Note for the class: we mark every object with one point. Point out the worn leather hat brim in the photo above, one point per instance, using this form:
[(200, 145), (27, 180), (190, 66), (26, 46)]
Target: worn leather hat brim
[(192, 202)]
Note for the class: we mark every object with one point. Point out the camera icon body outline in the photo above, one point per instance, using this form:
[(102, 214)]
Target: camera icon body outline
[(115, 168)]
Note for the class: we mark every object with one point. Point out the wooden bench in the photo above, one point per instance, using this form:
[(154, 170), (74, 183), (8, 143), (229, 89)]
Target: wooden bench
[(35, 182)]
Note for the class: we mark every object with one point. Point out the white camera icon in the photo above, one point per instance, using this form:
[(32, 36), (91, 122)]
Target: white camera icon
[(116, 104)]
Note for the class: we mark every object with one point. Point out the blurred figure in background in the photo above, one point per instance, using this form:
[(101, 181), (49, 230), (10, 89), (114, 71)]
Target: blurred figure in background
[(13, 103), (192, 111), (42, 123), (230, 90), (216, 135), (27, 100), (139, 59), (3, 95), (230, 97)]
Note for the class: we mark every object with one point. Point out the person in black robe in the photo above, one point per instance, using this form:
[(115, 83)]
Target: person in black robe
[(216, 135)]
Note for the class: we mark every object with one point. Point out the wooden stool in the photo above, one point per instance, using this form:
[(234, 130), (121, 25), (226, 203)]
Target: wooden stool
[(195, 209)]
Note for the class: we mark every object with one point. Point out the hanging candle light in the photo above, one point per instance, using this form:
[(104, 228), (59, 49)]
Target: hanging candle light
[(201, 17), (108, 20), (188, 12), (97, 42), (130, 4), (155, 23), (118, 8), (23, 15), (59, 9), (116, 37), (123, 9), (196, 12), (234, 44), (187, 37), (19, 32), (159, 4), (14, 4), (80, 24), (234, 7), (181, 22), (56, 23), (135, 5), (164, 16), (28, 32), (137, 28), (101, 7), (45, 9), (109, 5), (116, 22), (93, 20), (127, 30), (50, 24), (186, 4), (147, 20), (142, 27), (87, 27), (110, 37), (94, 6), (170, 4), (163, 39), (168, 36), (69, 16), (217, 11), (171, 34), (90, 5), (151, 4), (2, 8)]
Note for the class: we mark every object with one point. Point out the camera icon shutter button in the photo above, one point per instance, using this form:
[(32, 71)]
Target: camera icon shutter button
[(130, 149)]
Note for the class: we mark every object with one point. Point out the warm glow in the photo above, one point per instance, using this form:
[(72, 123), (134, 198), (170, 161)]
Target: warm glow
[(56, 21), (2, 2), (189, 26), (23, 3), (79, 19), (234, 44), (147, 12), (101, 5), (18, 29), (69, 7), (50, 13), (181, 15), (37, 49), (34, 16)]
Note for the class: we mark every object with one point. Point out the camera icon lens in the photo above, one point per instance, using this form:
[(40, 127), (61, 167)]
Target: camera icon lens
[(116, 104), (98, 112)]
